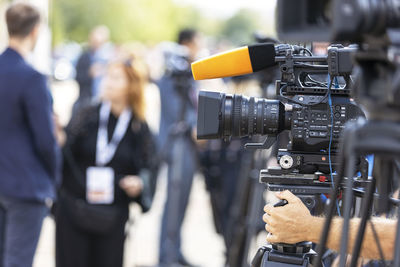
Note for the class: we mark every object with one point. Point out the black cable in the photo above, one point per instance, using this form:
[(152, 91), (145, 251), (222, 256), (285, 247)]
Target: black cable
[(301, 103), (306, 50), (324, 84), (315, 81), (311, 65), (311, 84), (312, 79)]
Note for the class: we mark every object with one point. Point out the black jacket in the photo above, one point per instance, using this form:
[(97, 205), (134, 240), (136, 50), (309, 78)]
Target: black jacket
[(83, 75), (133, 155)]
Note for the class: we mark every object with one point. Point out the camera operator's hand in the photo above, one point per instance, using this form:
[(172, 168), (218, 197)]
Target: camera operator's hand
[(290, 223)]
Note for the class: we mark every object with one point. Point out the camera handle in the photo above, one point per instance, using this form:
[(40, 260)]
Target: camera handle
[(284, 255), (268, 142), (281, 203)]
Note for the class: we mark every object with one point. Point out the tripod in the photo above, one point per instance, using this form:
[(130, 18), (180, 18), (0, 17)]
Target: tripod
[(378, 90), (255, 204), (246, 206)]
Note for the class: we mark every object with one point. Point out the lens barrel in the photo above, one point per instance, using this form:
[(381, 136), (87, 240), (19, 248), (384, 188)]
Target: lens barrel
[(238, 116)]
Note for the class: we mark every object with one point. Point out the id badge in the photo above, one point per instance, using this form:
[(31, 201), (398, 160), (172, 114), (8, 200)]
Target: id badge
[(100, 185)]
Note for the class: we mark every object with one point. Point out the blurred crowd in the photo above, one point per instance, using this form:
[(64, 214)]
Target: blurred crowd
[(87, 173)]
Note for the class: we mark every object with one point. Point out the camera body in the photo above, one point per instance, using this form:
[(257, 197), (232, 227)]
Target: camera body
[(303, 108), (311, 133), (311, 125)]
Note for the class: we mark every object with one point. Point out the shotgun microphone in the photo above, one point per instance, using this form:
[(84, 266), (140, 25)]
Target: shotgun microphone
[(239, 61)]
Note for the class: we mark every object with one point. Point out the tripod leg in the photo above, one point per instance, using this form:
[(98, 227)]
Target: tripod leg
[(329, 214), (366, 214), (255, 211), (235, 228), (348, 199)]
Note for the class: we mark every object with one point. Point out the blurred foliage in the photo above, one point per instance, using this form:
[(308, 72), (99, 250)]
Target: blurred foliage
[(143, 20), (239, 28)]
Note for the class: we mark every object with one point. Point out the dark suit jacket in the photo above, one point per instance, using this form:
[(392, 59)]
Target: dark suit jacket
[(82, 75), (29, 155)]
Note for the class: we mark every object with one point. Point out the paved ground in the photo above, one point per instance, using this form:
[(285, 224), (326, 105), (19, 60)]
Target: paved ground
[(201, 244)]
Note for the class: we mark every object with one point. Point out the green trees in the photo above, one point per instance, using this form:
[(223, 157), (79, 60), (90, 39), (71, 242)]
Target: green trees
[(127, 19), (143, 20), (239, 28)]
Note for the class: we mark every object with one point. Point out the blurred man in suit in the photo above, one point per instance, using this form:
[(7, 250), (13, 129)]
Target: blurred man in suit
[(29, 155)]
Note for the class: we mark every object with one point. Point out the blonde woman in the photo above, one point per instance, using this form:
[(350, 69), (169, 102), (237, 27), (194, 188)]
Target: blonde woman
[(108, 148)]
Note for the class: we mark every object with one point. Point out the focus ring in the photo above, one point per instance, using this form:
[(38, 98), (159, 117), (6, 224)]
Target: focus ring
[(228, 115), (237, 114), (251, 116)]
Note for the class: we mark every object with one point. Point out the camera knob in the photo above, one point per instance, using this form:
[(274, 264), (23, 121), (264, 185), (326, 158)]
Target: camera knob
[(286, 162)]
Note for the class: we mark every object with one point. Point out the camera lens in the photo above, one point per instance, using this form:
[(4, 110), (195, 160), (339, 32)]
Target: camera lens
[(224, 115)]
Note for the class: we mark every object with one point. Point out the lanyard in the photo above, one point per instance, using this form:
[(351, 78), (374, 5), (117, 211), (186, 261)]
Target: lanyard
[(105, 151)]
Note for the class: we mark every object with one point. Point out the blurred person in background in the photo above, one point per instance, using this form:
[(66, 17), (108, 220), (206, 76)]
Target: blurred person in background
[(29, 154), (92, 66), (142, 52), (107, 158), (178, 96)]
